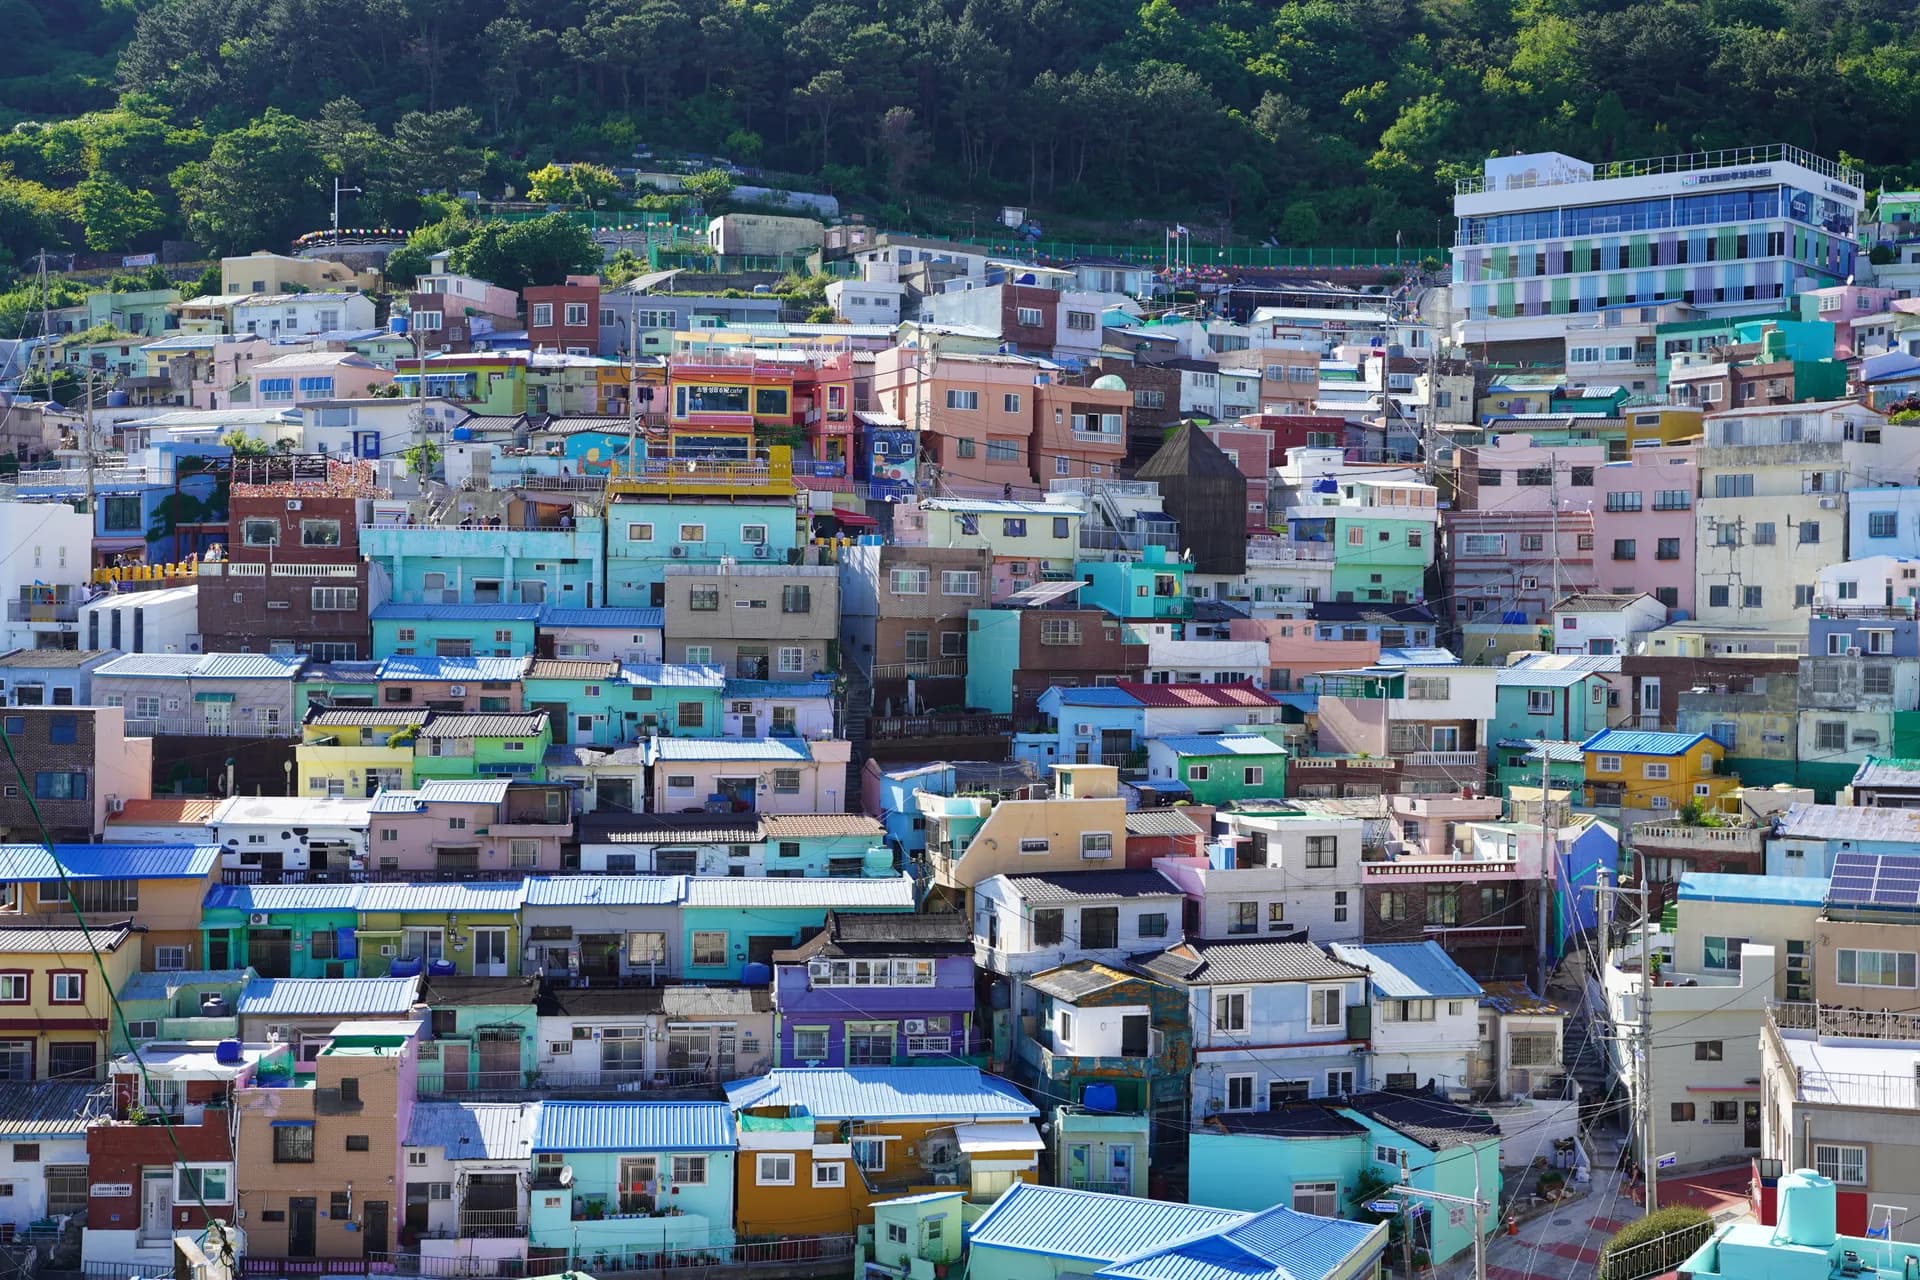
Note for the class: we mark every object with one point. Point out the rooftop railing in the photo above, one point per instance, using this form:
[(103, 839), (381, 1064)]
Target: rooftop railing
[(1689, 162)]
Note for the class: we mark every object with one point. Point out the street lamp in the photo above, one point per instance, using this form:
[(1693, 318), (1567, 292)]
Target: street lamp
[(337, 190)]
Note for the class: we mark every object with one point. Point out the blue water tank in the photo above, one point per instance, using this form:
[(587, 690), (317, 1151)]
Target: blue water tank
[(116, 399), (398, 323), (1100, 1097), (228, 1052), (442, 968), (462, 434), (403, 969), (756, 974)]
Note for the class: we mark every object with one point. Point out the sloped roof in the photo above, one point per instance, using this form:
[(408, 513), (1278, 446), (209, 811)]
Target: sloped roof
[(1213, 963), (883, 1093), (75, 941), (572, 669), (208, 666), (1274, 1244), (1227, 744), (1189, 452), (1161, 822), (527, 725), (368, 717), (49, 1109), (1887, 771), (613, 619), (1641, 742), (1235, 694), (634, 1126), (1083, 886), (475, 1130), (1411, 970), (327, 996), (1088, 1226), (436, 669), (1080, 979), (107, 861), (1435, 1123)]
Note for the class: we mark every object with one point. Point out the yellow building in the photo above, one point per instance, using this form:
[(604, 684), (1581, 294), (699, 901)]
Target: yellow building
[(1663, 424), (355, 751), (1639, 769), (1081, 826), (55, 1010)]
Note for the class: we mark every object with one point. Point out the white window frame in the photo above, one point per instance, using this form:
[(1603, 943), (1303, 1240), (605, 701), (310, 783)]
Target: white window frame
[(1314, 997), (826, 1173), (1230, 998), (1841, 1158), (775, 1160), (1227, 1086)]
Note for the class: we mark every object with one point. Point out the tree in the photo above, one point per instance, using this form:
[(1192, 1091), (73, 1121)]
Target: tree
[(595, 184), (823, 98), (207, 284), (903, 144), (541, 251), (405, 265), (422, 459), (551, 184), (115, 216), (259, 187), (1300, 224), (436, 149), (244, 445), (708, 185)]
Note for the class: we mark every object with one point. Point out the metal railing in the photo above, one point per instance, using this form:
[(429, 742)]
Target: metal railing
[(58, 611), (928, 669), (513, 1085), (1444, 759), (182, 726), (1125, 540), (954, 726), (1110, 1188), (1655, 1257), (794, 1255), (492, 1224), (1838, 1020)]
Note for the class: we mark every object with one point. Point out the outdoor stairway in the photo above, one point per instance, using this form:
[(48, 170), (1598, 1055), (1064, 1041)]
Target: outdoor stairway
[(857, 708)]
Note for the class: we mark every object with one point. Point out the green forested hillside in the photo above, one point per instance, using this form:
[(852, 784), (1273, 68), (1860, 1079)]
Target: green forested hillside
[(1319, 121)]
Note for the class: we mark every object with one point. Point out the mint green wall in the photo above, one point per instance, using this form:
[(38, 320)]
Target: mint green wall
[(993, 652), (705, 1218), (1450, 1172), (1402, 567)]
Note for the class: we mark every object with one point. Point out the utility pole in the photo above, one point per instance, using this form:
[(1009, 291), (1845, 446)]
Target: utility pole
[(633, 387), (1547, 854), (1478, 1203), (1643, 1033), (337, 190), (86, 440)]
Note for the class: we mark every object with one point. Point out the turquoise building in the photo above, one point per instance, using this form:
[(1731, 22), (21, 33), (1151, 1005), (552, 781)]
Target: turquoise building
[(455, 630), (1152, 587), (646, 534), (487, 1030), (993, 655), (284, 930), (612, 1180), (146, 312), (584, 700), (729, 922), (1323, 1152), (1564, 705), (445, 564), (673, 699), (1517, 763), (1382, 534)]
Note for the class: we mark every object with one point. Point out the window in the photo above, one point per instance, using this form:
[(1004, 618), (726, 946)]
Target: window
[(1027, 317), (1321, 1199), (1323, 852), (1763, 533), (786, 782), (796, 599), (1443, 904), (709, 948), (1654, 771), (1429, 688), (1809, 532), (1717, 597), (66, 1189), (1239, 1093), (960, 582), (1082, 320), (908, 582), (1876, 677), (1060, 631), (1229, 1011), (869, 1044), (1882, 524), (1324, 1008), (1667, 549), (1540, 701), (774, 1169), (1830, 735), (1625, 548), (211, 1183), (60, 786), (915, 646), (870, 1154), (359, 1142), (336, 599), (1856, 968), (1391, 906), (1680, 1112), (1153, 924), (829, 1173), (691, 715), (319, 533), (1672, 499), (1243, 917), (703, 599), (1845, 1164), (1721, 953), (1733, 486), (67, 988), (1252, 775), (1623, 501), (810, 1044), (15, 988), (292, 1143), (260, 532), (963, 399), (1003, 450), (1750, 597)]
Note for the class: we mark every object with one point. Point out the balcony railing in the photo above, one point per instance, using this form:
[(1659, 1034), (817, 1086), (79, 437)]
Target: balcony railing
[(931, 669), (1125, 540), (492, 1224), (1475, 867), (1121, 1188), (59, 611), (960, 726), (1837, 1020), (1286, 551), (608, 1082), (182, 726), (1444, 759)]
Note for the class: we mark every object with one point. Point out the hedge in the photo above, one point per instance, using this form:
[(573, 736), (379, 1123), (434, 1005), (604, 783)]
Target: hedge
[(1686, 1228)]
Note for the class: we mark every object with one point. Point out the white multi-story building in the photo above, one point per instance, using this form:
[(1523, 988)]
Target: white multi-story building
[(44, 576), (1545, 237), (1775, 484)]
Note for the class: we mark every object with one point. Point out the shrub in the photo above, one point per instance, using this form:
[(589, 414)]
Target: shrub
[(1685, 1229)]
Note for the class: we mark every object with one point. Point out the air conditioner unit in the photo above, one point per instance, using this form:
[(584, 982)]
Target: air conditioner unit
[(918, 1027), (1083, 730), (257, 917), (1828, 504), (389, 950), (115, 804), (679, 553), (819, 968), (742, 708), (293, 504), (457, 690), (759, 551), (946, 1179)]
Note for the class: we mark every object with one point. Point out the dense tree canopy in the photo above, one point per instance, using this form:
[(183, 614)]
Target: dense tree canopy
[(1338, 119)]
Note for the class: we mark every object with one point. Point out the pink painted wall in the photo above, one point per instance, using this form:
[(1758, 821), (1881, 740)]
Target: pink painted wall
[(1292, 647), (1651, 469)]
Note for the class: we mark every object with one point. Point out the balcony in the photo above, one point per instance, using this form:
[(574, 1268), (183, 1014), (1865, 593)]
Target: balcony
[(1674, 835), (1264, 550), (59, 611), (184, 726), (1439, 868), (492, 1224), (671, 477), (609, 1082), (1443, 759), (950, 726), (926, 669)]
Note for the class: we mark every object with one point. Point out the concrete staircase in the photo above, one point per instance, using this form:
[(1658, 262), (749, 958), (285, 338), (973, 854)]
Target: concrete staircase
[(855, 710)]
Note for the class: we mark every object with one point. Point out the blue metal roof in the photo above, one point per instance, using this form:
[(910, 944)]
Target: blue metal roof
[(634, 1126), (846, 893), (1641, 742), (1419, 657), (481, 895), (394, 611), (1233, 744), (328, 996), (1773, 891), (283, 897), (671, 675), (463, 791), (883, 1093), (766, 750), (1275, 1244), (1560, 752), (407, 667), (476, 1130), (779, 688), (164, 986), (209, 666), (1411, 971), (1088, 1226), (108, 861), (1097, 696), (607, 891), (619, 619), (1532, 677)]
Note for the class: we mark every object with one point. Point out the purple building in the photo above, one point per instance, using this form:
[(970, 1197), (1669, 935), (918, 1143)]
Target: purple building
[(872, 991)]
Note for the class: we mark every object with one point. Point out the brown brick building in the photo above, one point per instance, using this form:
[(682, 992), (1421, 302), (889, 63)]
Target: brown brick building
[(77, 764)]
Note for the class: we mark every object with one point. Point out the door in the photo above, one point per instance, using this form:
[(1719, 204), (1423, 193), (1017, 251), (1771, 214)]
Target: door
[(1120, 1169), (1750, 1122), (489, 953), (373, 1226), (499, 1060), (156, 1204), (1077, 1166), (219, 717), (270, 952), (749, 727), (1133, 1035), (1446, 737), (1115, 745), (455, 1064), (301, 1212)]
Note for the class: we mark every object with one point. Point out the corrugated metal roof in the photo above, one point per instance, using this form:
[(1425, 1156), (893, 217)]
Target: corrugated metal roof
[(764, 750), (478, 895), (1097, 696), (108, 861), (476, 1130), (1883, 771), (607, 891), (1773, 891), (634, 1126), (395, 801), (394, 611), (340, 672), (1083, 886), (463, 791), (1235, 744), (1558, 751), (1161, 822), (1532, 677), (1517, 998), (573, 669), (61, 942), (618, 619), (1641, 742), (1434, 1122), (364, 718), (882, 1093), (1197, 695), (872, 893), (209, 666), (779, 688), (1419, 656), (1076, 981), (327, 996), (64, 659), (1089, 1226), (164, 986), (473, 670), (603, 827), (527, 725), (1209, 964), (283, 897), (1411, 971), (800, 826), (49, 1109), (1275, 1244), (673, 675), (1850, 822)]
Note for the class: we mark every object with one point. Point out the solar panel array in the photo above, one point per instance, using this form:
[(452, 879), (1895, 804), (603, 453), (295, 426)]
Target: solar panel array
[(1883, 880)]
